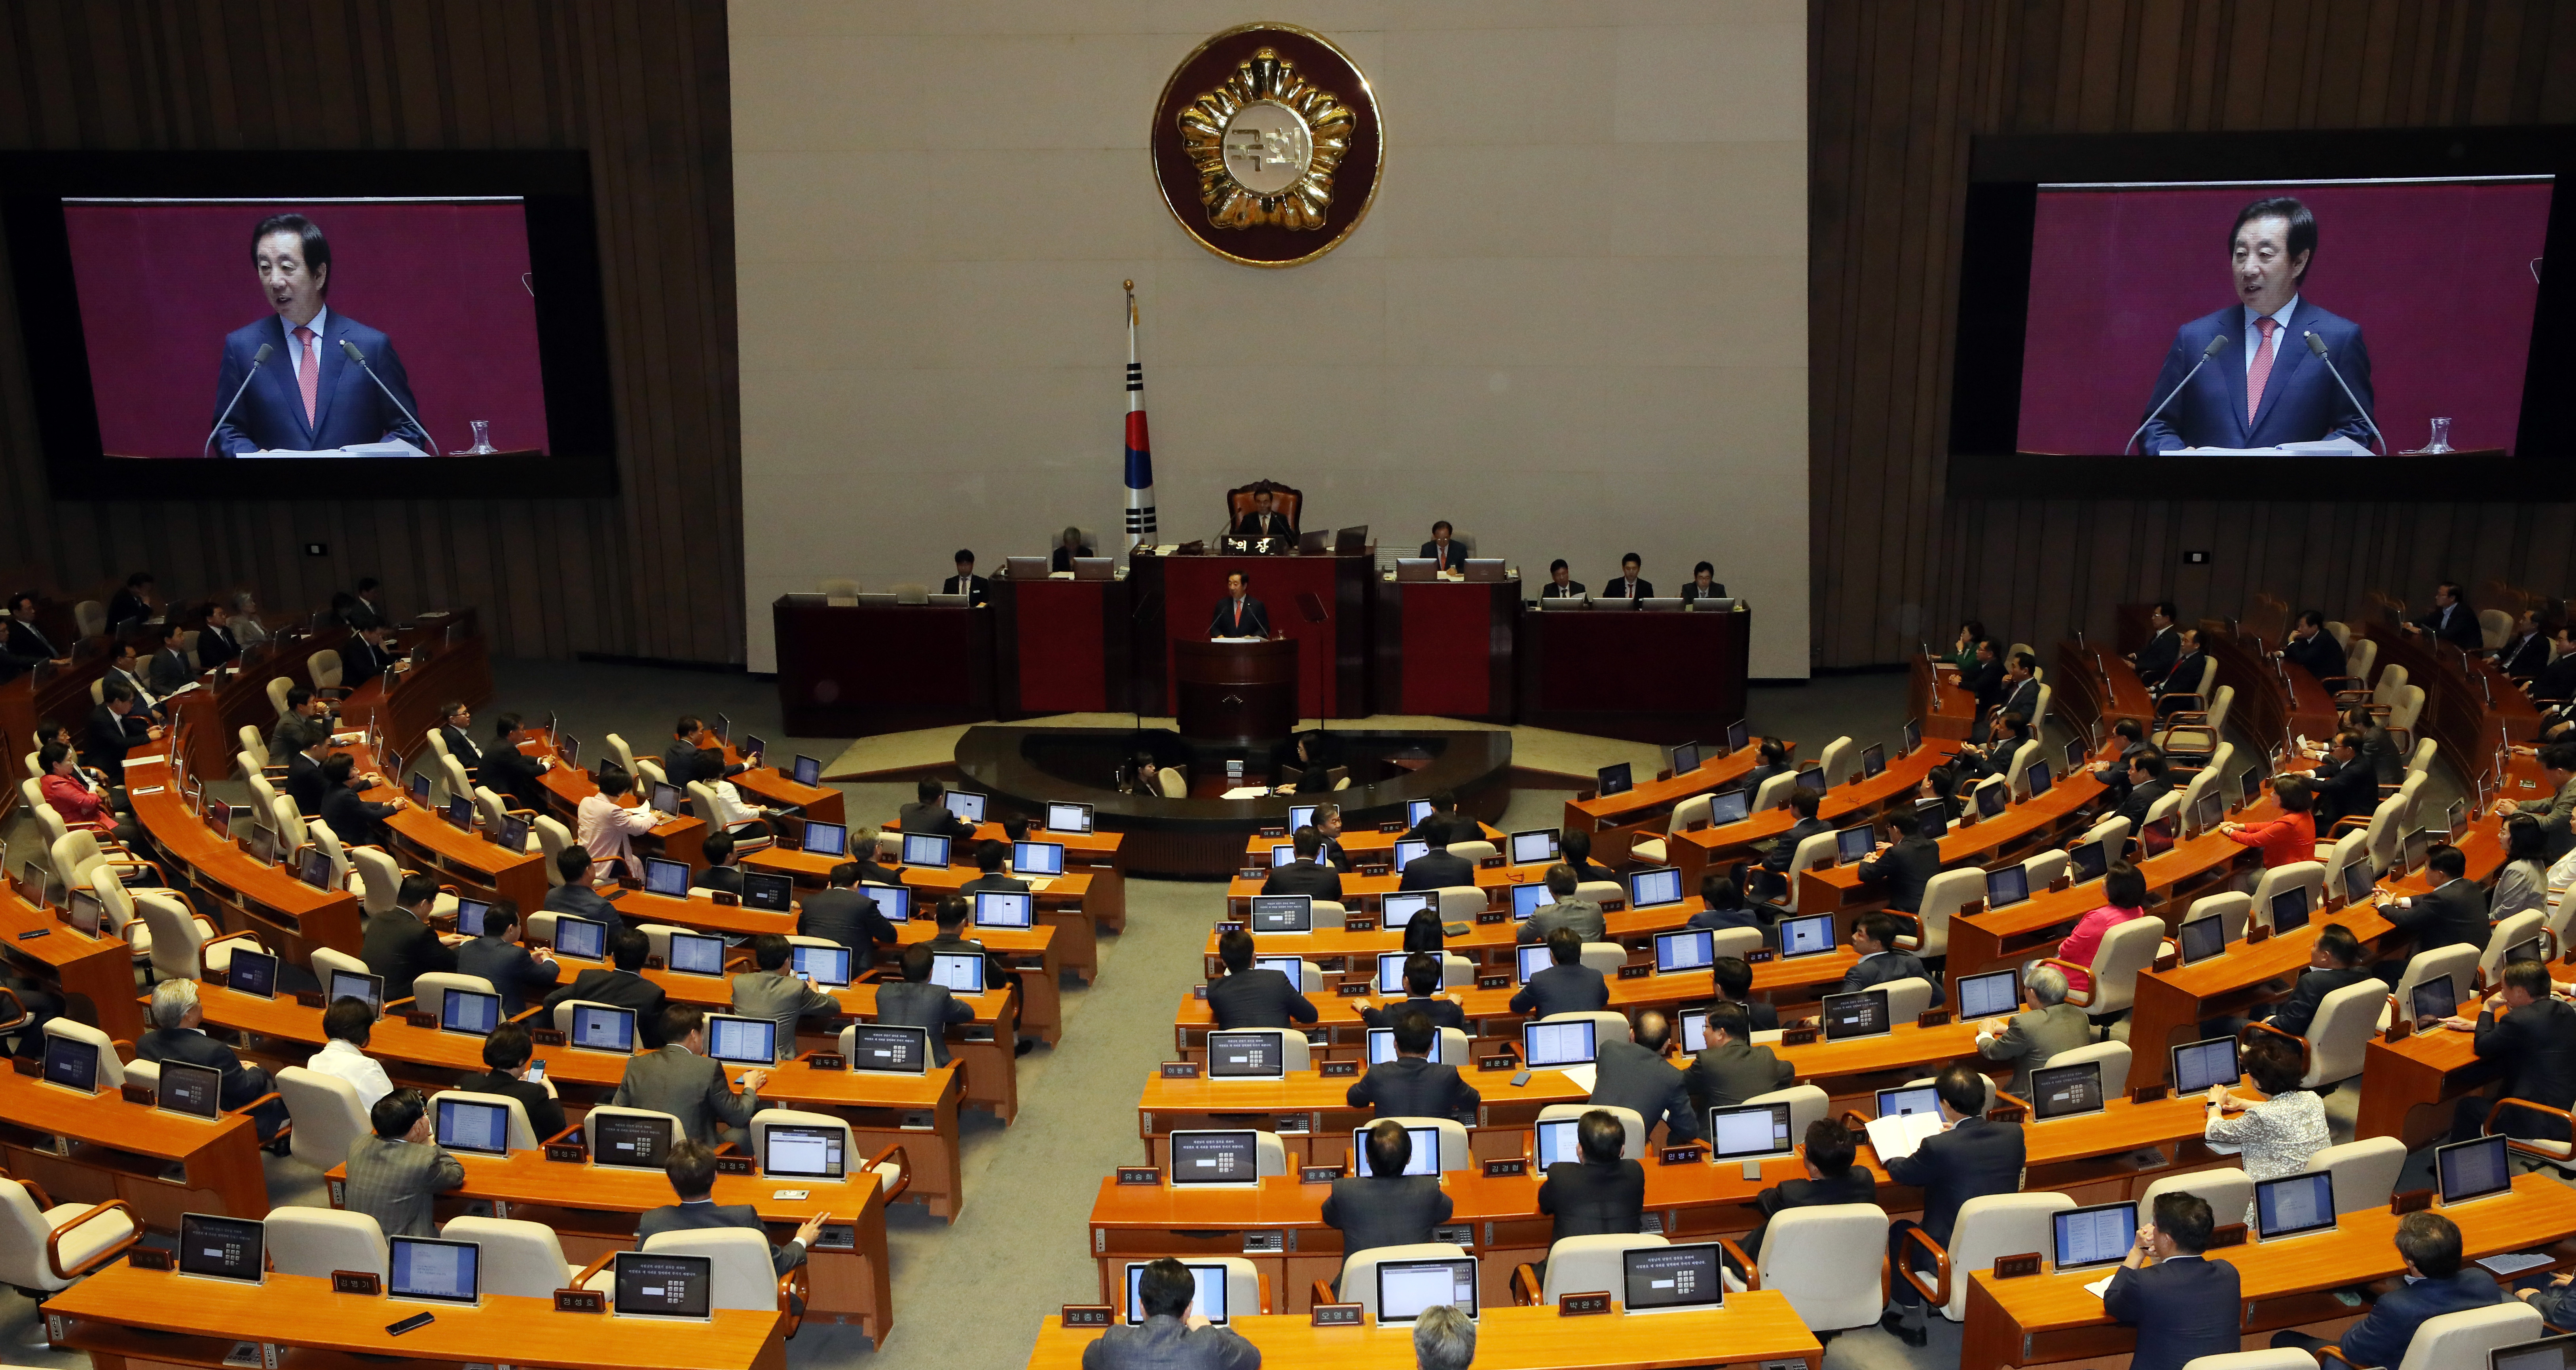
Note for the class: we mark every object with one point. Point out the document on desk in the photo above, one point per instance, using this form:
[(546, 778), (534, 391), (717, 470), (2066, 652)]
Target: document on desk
[(2102, 1285), (1245, 792), (1582, 1076), (1901, 1135), (1238, 639)]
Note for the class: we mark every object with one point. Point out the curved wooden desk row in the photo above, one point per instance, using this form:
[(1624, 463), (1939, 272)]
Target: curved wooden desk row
[(1375, 845), (2276, 700), (1726, 844), (242, 892), (919, 1111), (2096, 688), (1065, 904), (123, 1314), (1491, 944), (593, 1209), (2469, 705), (680, 838), (95, 974), (90, 1149), (1756, 1327), (1083, 848), (2045, 1318), (2021, 830), (1932, 694), (1615, 820)]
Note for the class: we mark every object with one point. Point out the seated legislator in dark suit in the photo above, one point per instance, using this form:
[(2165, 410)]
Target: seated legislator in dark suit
[(1440, 550), (1239, 614), (2452, 620), (928, 815), (459, 743), (169, 670), (2147, 784), (916, 1002), (2184, 1306), (2164, 643), (1423, 973), (2338, 960), (2346, 785), (365, 656), (2314, 650), (1733, 978), (1173, 1336), (310, 396), (846, 914), (575, 895), (177, 1035), (1632, 1073), (1249, 996), (1068, 545), (2525, 653), (1412, 1085), (1983, 679), (510, 773), (1974, 1158), (1906, 865), (1261, 522), (978, 590), (2452, 913), (2531, 1035), (355, 821), (1601, 1194), (1730, 1069), (1567, 986), (1560, 582), (506, 1051), (680, 754), (2183, 681), (1436, 869), (399, 945), (115, 725), (1782, 850), (304, 781), (1385, 1207), (2262, 387), (1827, 1153), (2437, 1282), (678, 1078), (1305, 875), (1724, 907), (691, 1167), (1874, 937), (516, 973), (621, 984)]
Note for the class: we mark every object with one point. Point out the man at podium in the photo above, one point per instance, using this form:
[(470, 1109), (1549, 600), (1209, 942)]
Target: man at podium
[(1239, 614), (309, 397)]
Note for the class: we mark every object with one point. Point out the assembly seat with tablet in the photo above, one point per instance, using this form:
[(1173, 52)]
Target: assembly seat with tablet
[(599, 1027), (1749, 1132), (2085, 1238), (649, 1284), (1227, 1158), (430, 1270), (629, 1138), (669, 879), (1213, 1301), (1255, 1054), (886, 1048), (191, 1090), (217, 1248), (473, 1124), (1671, 1279), (2294, 1205), (2065, 1091)]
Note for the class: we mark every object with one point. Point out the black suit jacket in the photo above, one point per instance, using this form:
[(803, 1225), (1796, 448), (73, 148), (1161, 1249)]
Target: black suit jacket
[(2536, 1045), (680, 759), (2457, 625), (1257, 998), (725, 878), (401, 948), (514, 972), (1971, 1160), (545, 1111), (2453, 914), (1384, 1210), (1784, 848), (361, 662), (2157, 657), (1888, 966), (1983, 680), (1572, 589), (1444, 1013), (1305, 877), (28, 641), (1260, 525), (354, 820), (1254, 621), (1062, 560), (2192, 1304), (2184, 677), (2557, 679), (617, 989), (126, 607), (2022, 699), (104, 741), (216, 647), (1628, 1076), (2524, 656), (168, 671), (1563, 989), (2321, 656), (1854, 1186), (2300, 1009), (1906, 867), (934, 820), (515, 776), (239, 1085), (1724, 1076), (977, 589), (2344, 791), (849, 917), (1619, 589), (2142, 798), (696, 1217), (1590, 1200), (306, 786), (1411, 1087), (1436, 870), (1452, 560), (467, 755)]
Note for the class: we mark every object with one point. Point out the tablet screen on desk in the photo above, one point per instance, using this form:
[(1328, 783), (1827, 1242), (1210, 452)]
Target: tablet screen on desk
[(1003, 909), (1749, 1130), (2357, 881), (568, 750), (1694, 1024), (667, 878), (2208, 809), (252, 972), (420, 789), (922, 849), (1812, 778), (2294, 1204), (1526, 900), (768, 892), (429, 1270), (743, 1041), (1250, 1054), (823, 965), (1667, 1279), (465, 1125), (1283, 913), (1547, 1046), (598, 1027), (1292, 967), (809, 771), (1855, 843), (470, 1012), (2066, 1091), (582, 937), (2088, 861), (752, 747), (1038, 858), (1675, 952), (1934, 814), (1409, 851), (2435, 999), (469, 916), (1406, 1288), (2007, 887), (1657, 888), (629, 1141), (214, 1248), (1396, 910), (1282, 853), (514, 834), (349, 984), (1415, 810), (1737, 734), (1558, 1141), (1073, 818), (894, 902), (2290, 909), (1809, 936), (316, 870), (1528, 959), (1381, 1047), (1991, 799), (1898, 1103), (1208, 1302), (961, 972), (2157, 837), (692, 954), (87, 913), (969, 807), (652, 1285), (2036, 780), (794, 1149), (2473, 1169), (666, 798), (460, 813), (192, 1090), (2099, 1235), (1873, 760), (1300, 816), (1229, 1157), (1390, 972), (888, 1047), (1729, 806), (833, 839), (1859, 1014), (1685, 758), (2202, 938), (1424, 1160), (1990, 995), (2548, 1353), (1533, 845), (2198, 1065)]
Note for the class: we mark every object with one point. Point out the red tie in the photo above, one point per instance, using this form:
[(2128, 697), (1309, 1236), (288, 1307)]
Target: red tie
[(2261, 370), (309, 374)]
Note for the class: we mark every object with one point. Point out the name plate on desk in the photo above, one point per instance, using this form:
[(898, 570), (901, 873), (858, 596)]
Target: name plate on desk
[(1932, 1018), (1390, 826), (2149, 1094), (826, 1060), (1797, 1036), (1318, 1174), (724, 899), (2061, 884), (1337, 1070), (1493, 982), (2167, 961), (1353, 989), (1635, 972), (1682, 1155), (1376, 868), (1507, 1167), (1337, 1315), (138, 1094), (546, 1037), (654, 963), (2226, 1234), (581, 1301), (425, 1021), (1614, 906), (1180, 1070), (2398, 1030), (356, 1282), (2257, 932), (1761, 957), (147, 1258), (2014, 1267), (1494, 916), (1972, 908), (2009, 1113), (733, 1165), (308, 998), (2410, 1201), (1139, 1174), (564, 1151), (1495, 863), (1497, 1062), (1086, 1315), (1582, 1305), (1350, 924), (1274, 830)]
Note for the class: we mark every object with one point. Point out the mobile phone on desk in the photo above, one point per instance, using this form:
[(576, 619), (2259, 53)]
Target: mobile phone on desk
[(1520, 1079), (412, 1323)]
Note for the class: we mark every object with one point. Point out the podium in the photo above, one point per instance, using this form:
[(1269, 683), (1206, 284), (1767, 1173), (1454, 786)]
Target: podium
[(1236, 691)]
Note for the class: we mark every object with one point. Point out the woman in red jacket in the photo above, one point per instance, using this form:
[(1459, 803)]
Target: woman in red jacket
[(2290, 838), (2124, 896), (72, 797)]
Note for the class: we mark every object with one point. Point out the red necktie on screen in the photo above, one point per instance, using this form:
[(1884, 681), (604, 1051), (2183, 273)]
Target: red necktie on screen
[(309, 374), (2261, 370)]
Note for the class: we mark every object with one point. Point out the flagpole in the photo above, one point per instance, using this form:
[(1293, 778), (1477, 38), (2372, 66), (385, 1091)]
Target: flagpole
[(1139, 463)]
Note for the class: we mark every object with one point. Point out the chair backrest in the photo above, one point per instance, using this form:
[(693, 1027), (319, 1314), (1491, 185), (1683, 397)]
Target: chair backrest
[(326, 960), (1836, 760), (1739, 941), (1807, 1103), (76, 853), (447, 779), (625, 757), (495, 812), (519, 1258), (1359, 1273), (2352, 846), (2114, 1057), (1631, 1148), (277, 692), (1774, 792), (2346, 1021), (2383, 692), (2405, 709), (178, 941), (1173, 782), (1456, 971), (254, 744), (1605, 957), (2281, 1359), (90, 617), (316, 1241), (522, 1135), (2365, 1171), (552, 838), (2126, 949), (1606, 1025), (2039, 716), (1475, 850), (429, 989), (2282, 879), (1460, 903), (2386, 831), (2165, 807), (1942, 897), (2219, 705), (1827, 1260), (1329, 914), (326, 1114), (2452, 1341), (379, 879), (111, 1072), (324, 667), (1692, 810), (2017, 768), (911, 592), (2235, 910), (1453, 1141), (2495, 627), (2422, 760), (2360, 656), (23, 1231), (1596, 891), (2458, 961), (1997, 1225), (2520, 927), (590, 1123), (744, 1277), (1907, 998), (2111, 832), (834, 587), (1582, 1264), (2042, 868), (2228, 1191)]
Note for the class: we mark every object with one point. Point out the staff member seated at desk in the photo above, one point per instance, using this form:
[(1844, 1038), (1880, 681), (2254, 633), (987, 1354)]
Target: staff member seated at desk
[(1260, 522), (678, 1079), (1973, 1158), (1568, 986), (926, 814), (1239, 614), (510, 773), (620, 984), (1581, 915), (680, 756), (114, 726), (1561, 583), (346, 1026), (1874, 937), (721, 873), (1412, 1085), (845, 914), (1730, 1069), (1600, 1194), (1068, 545), (507, 1051), (1725, 908), (1250, 996), (989, 858), (691, 1168), (1305, 875), (399, 944), (395, 1175), (977, 589), (2314, 650), (515, 972), (2338, 959), (2028, 1039), (1832, 1178), (1444, 555), (1172, 1337), (356, 821), (1629, 585), (915, 1002), (2531, 1035), (1631, 1072), (607, 829), (1703, 585), (1385, 1207), (178, 1035), (2193, 1305), (1436, 869), (1422, 976), (2437, 1282)]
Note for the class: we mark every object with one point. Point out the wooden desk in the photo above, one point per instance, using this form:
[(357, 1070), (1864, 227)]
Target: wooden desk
[(122, 1315), (681, 838), (768, 784), (1061, 646), (2019, 831), (478, 867), (2468, 710), (241, 892), (1753, 1326), (1312, 1117), (1066, 904), (1332, 656), (593, 1210), (2046, 1318), (1372, 846), (95, 974), (1693, 853), (2275, 700), (42, 693), (1932, 694), (1458, 638), (1616, 820), (1488, 944), (407, 703), (2405, 1083), (163, 1164), (2097, 688), (238, 697), (1569, 676)]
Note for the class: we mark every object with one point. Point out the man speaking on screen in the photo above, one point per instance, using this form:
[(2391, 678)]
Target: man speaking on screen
[(310, 395), (2260, 383)]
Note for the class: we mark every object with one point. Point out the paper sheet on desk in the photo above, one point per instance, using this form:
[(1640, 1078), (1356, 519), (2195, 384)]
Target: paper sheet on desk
[(1245, 792), (2327, 447), (1582, 1076), (1900, 1135), (1238, 639), (2100, 1286)]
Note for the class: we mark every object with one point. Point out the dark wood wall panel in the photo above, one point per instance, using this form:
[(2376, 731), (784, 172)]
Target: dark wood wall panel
[(654, 570), (1896, 91)]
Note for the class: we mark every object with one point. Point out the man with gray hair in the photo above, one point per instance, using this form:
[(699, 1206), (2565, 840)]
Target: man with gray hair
[(2029, 1039), (1443, 1339), (176, 1036)]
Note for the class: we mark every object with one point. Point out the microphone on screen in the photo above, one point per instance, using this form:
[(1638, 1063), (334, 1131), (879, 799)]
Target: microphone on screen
[(263, 355), (2318, 346), (351, 349), (2217, 344)]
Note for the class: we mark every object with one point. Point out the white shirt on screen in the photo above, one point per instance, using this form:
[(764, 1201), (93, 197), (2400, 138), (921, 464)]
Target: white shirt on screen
[(2280, 336), (295, 350)]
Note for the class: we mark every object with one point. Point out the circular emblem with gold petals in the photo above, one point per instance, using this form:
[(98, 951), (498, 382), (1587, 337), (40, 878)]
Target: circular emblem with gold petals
[(1267, 145)]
